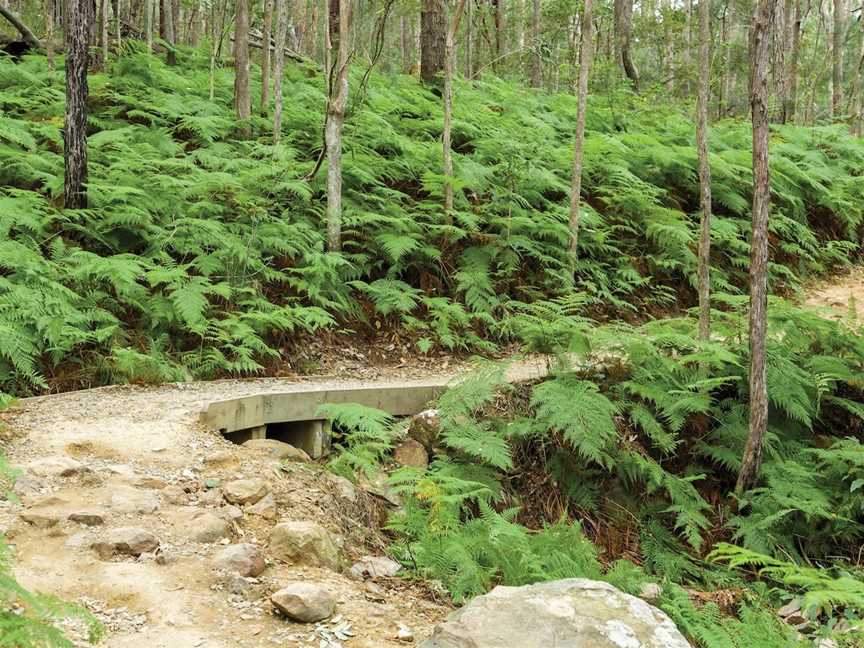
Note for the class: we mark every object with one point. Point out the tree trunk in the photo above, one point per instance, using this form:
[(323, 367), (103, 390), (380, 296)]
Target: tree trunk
[(27, 34), (49, 28), (168, 19), (339, 22), (405, 44), (433, 28), (760, 43), (704, 173), (449, 62), (585, 54), (623, 21), (837, 58), (77, 20), (536, 70), (103, 34), (499, 33), (148, 24), (117, 22), (242, 101), (858, 93), (281, 32), (792, 82), (265, 56)]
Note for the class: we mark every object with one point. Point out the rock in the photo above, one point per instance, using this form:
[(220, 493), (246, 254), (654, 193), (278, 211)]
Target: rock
[(651, 592), (219, 458), (56, 467), (277, 449), (27, 486), (41, 518), (375, 592), (404, 633), (213, 497), (826, 643), (231, 512), (243, 559), (132, 541), (304, 602), (175, 495), (203, 526), (425, 427), (150, 482), (790, 608), (245, 491), (374, 567), (130, 500), (377, 485), (411, 452), (304, 542), (211, 483), (87, 518), (344, 488), (575, 612), (265, 507)]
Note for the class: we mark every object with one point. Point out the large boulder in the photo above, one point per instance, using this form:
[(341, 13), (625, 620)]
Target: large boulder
[(576, 612), (304, 542)]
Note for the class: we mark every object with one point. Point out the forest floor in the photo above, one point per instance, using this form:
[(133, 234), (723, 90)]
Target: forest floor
[(134, 456)]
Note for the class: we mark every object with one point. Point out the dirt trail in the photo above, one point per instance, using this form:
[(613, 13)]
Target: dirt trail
[(842, 295), (136, 457)]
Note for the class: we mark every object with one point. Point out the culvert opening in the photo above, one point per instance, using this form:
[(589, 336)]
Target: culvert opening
[(312, 436)]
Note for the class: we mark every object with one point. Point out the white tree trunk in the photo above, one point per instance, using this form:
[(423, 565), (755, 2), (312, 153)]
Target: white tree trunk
[(281, 29), (585, 56), (449, 62), (704, 173)]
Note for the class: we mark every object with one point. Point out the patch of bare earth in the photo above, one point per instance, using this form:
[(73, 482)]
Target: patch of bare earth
[(842, 296), (101, 460)]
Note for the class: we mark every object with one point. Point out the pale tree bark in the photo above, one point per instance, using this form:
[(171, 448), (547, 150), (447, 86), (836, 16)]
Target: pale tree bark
[(688, 42), (792, 82), (469, 38), (117, 23), (148, 24), (242, 100), (449, 62), (704, 281), (623, 26), (339, 21), (520, 24), (500, 44), (265, 55), (103, 34), (405, 43), (858, 94), (536, 70), (77, 18), (433, 28), (585, 56), (837, 57), (49, 28), (167, 15), (760, 38), (281, 33)]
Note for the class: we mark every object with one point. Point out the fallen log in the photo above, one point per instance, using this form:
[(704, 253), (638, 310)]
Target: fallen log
[(26, 33)]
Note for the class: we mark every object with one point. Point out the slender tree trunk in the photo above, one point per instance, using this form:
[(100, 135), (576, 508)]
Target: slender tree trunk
[(338, 32), (760, 43), (704, 173), (242, 101), (103, 34), (49, 28), (585, 55), (792, 84), (405, 44), (449, 63), (117, 23), (281, 33), (265, 56), (536, 70), (623, 26), (688, 43), (520, 24), (500, 45), (168, 19), (77, 17), (313, 35), (469, 38), (837, 58), (433, 28), (148, 24), (27, 34), (858, 93)]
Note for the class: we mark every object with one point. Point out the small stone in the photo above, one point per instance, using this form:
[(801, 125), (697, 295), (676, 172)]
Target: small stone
[(40, 518), (245, 491), (374, 567), (790, 608), (244, 559), (304, 602), (149, 482), (211, 483), (127, 540), (304, 542), (826, 643), (232, 512), (650, 592), (87, 518), (344, 487), (219, 458), (175, 495), (56, 467), (130, 500), (375, 592), (205, 527), (404, 633), (265, 507), (411, 452), (277, 449), (425, 427)]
